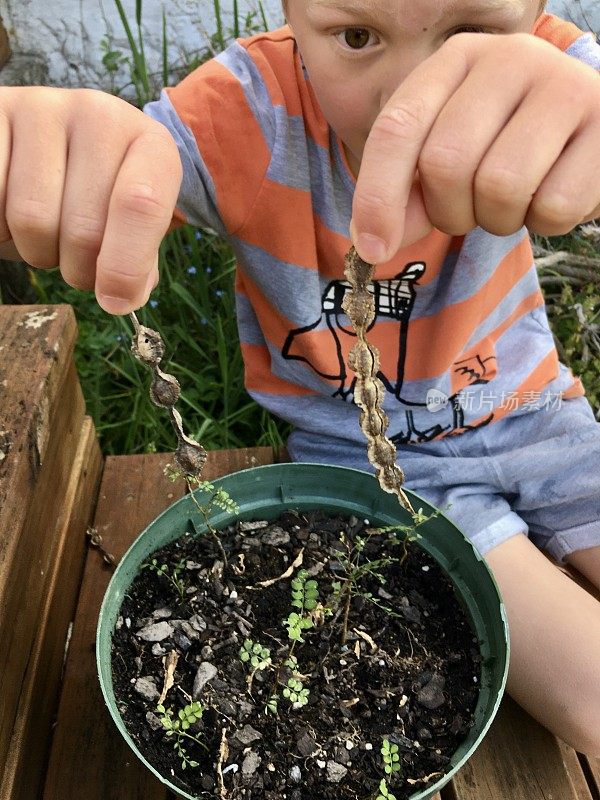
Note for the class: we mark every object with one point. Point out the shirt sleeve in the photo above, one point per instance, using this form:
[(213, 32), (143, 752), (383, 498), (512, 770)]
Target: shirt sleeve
[(569, 38), (222, 119)]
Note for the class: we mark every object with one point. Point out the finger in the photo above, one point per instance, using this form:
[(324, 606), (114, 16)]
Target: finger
[(392, 149), (569, 194), (36, 179), (459, 139), (517, 163), (139, 213), (86, 199)]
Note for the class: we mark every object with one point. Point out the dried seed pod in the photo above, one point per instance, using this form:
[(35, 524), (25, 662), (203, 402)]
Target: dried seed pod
[(190, 456), (148, 346), (369, 391), (164, 389)]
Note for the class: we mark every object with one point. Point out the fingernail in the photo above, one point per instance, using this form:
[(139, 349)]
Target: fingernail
[(114, 305), (371, 248)]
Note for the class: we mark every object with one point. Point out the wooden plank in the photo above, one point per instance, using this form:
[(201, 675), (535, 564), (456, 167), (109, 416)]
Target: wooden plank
[(517, 760), (576, 773), (591, 767), (133, 492), (41, 414), (25, 766)]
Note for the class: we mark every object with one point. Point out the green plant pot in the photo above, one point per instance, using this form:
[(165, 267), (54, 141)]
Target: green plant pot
[(264, 493)]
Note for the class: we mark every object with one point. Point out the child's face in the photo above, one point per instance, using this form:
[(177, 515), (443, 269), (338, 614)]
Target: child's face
[(357, 52)]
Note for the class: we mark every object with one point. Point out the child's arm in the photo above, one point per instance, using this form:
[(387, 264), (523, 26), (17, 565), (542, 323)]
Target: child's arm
[(89, 183), (504, 132)]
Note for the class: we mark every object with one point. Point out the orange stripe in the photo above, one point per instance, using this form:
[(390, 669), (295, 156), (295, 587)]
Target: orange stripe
[(212, 103), (274, 54), (556, 31), (485, 350), (435, 342), (258, 375), (290, 243), (545, 372)]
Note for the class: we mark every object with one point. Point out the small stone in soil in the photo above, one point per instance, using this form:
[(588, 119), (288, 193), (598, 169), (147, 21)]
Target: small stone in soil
[(251, 763), (432, 694), (162, 613), (306, 745), (155, 632), (205, 673), (146, 687), (153, 721), (247, 735), (335, 772), (295, 774)]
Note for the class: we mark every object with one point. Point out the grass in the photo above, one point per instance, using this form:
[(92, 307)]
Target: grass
[(193, 306)]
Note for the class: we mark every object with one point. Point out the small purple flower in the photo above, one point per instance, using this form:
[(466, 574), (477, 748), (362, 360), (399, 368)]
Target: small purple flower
[(192, 270), (208, 270), (203, 320), (219, 292), (198, 235), (153, 303)]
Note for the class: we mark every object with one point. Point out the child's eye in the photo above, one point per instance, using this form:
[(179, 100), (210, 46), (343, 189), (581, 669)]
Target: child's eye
[(355, 38), (467, 29)]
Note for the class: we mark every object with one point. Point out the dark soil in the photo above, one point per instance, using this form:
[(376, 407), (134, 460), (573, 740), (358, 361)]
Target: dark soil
[(411, 676)]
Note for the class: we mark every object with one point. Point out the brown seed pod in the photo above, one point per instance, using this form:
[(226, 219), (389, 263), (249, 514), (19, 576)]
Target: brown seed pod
[(190, 456), (147, 346), (369, 391), (164, 389)]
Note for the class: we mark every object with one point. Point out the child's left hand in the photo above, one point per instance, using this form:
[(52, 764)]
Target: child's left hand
[(504, 131)]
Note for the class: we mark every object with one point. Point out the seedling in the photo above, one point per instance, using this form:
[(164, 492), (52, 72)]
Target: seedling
[(178, 728), (391, 758), (258, 656), (296, 693), (384, 792), (218, 497), (162, 570)]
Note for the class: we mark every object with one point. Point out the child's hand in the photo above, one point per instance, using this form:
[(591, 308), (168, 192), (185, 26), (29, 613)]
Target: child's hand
[(503, 130), (89, 183)]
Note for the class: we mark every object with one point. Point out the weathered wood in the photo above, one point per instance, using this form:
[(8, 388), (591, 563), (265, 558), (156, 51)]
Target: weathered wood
[(517, 760), (133, 492), (24, 773), (591, 768), (41, 415), (575, 771)]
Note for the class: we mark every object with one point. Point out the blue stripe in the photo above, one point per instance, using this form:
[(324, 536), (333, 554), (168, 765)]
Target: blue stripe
[(197, 196), (586, 49), (239, 63)]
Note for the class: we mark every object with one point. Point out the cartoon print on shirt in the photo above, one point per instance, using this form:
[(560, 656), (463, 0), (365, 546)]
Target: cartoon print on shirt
[(394, 298)]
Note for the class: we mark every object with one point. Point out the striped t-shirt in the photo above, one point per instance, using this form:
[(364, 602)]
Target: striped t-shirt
[(460, 323)]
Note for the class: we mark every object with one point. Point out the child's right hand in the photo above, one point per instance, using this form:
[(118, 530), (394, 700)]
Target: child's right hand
[(88, 183)]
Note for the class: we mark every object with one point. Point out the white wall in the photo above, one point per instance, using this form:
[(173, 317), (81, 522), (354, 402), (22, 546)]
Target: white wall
[(58, 41)]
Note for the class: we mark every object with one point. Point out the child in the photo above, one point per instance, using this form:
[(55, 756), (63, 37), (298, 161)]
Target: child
[(442, 139)]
